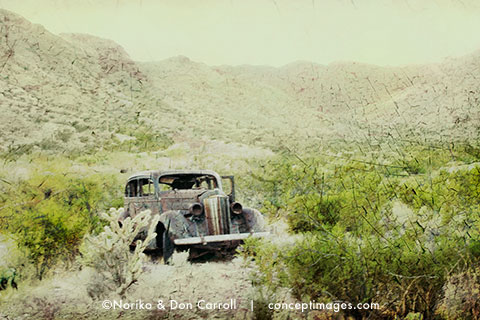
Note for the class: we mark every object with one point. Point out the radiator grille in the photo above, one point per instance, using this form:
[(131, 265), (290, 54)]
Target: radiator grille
[(217, 214)]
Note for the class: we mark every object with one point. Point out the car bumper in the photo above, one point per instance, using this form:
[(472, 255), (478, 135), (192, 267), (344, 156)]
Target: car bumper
[(218, 238)]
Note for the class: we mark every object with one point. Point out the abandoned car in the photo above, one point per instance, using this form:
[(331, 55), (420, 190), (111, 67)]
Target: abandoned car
[(195, 212)]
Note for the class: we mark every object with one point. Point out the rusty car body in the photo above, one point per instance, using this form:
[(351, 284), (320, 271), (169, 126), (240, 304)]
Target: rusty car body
[(195, 212)]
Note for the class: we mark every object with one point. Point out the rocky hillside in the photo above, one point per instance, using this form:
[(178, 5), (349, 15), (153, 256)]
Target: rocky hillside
[(341, 100), (70, 91), (62, 90)]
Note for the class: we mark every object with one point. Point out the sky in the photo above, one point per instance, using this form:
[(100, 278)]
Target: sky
[(270, 32)]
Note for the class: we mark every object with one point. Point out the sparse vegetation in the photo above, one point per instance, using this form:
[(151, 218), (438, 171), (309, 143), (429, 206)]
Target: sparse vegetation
[(370, 236), (379, 191), (49, 213), (108, 253)]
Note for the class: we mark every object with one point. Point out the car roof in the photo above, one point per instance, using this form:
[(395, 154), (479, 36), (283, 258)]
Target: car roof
[(147, 174)]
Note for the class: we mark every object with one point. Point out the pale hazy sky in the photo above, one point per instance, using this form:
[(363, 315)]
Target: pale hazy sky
[(270, 32)]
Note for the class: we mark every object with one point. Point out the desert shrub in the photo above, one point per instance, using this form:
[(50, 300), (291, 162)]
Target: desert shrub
[(422, 158), (14, 151), (48, 214), (48, 144), (453, 195), (314, 211), (116, 268), (266, 280), (8, 278), (79, 126), (401, 276), (314, 195), (64, 135), (261, 298), (412, 166), (356, 246), (471, 152), (462, 295), (146, 139)]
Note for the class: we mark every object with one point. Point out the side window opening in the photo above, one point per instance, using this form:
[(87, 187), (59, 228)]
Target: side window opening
[(204, 183), (131, 189), (140, 188), (165, 187), (146, 187)]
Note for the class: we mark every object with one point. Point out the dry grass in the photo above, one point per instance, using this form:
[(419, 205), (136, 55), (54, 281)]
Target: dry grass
[(65, 294)]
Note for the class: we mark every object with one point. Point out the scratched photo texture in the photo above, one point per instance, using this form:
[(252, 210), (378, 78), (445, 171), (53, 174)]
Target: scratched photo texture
[(351, 128)]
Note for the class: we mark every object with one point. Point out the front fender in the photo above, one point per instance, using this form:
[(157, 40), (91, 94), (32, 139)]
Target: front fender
[(177, 225), (254, 220)]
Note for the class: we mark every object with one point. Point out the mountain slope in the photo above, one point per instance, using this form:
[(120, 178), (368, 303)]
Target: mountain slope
[(333, 100), (84, 92), (53, 88)]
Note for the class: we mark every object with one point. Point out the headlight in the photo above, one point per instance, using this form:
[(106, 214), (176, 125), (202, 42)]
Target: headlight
[(196, 209), (236, 208)]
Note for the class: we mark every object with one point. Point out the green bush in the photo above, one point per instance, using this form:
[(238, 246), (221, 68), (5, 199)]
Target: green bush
[(390, 233), (145, 139), (48, 214)]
